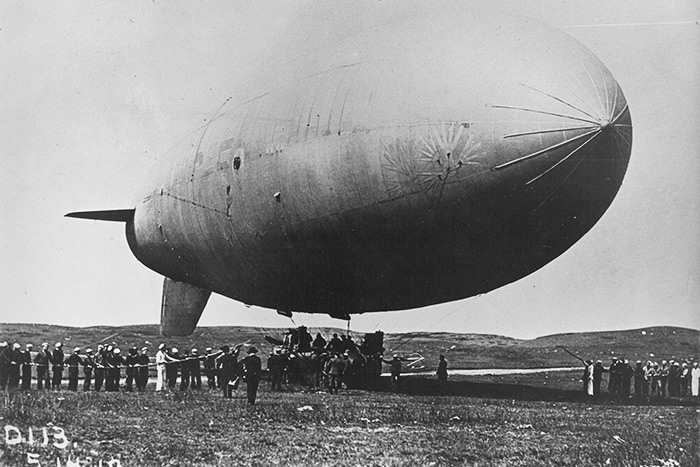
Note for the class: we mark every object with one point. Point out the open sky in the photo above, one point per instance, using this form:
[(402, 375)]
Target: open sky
[(92, 93)]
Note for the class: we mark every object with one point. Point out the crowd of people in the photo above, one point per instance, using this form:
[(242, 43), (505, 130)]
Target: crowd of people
[(299, 358), (643, 380)]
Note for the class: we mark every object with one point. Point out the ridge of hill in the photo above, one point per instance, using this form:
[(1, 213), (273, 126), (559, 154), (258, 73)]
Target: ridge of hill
[(462, 350)]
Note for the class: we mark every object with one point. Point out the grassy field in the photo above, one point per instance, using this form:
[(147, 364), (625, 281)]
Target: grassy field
[(512, 420), (353, 428)]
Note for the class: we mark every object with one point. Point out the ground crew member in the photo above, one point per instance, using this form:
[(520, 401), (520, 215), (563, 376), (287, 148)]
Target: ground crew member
[(252, 367), (5, 363), (15, 362), (74, 363), (598, 371), (395, 372), (195, 370), (100, 366), (57, 362), (42, 360), (88, 367), (627, 373), (115, 370), (639, 380), (442, 370), (172, 363), (228, 363), (210, 368), (131, 361), (275, 366), (143, 361), (335, 368), (184, 371), (663, 377), (160, 367), (27, 367)]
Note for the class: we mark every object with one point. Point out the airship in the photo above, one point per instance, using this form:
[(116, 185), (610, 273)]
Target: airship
[(419, 162)]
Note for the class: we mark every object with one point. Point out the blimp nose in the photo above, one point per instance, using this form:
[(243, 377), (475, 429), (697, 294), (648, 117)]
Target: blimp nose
[(572, 147)]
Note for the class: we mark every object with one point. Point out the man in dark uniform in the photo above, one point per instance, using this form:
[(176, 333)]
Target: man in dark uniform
[(5, 362), (210, 368), (627, 372), (598, 371), (57, 366), (184, 370), (42, 360), (100, 366), (88, 367), (195, 370), (172, 366), (228, 363), (275, 366), (27, 367), (252, 367), (74, 363), (319, 343), (15, 362), (335, 343), (143, 362), (115, 370), (638, 379), (442, 370), (131, 361)]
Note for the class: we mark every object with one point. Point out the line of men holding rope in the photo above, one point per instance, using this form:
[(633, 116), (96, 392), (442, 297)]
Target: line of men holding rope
[(651, 379)]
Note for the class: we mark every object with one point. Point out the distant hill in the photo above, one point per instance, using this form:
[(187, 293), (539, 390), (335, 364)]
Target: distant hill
[(461, 350)]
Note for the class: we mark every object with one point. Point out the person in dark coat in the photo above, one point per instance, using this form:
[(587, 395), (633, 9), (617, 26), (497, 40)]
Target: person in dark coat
[(42, 360), (131, 360), (627, 373), (74, 362), (639, 380), (27, 367), (88, 368), (115, 369), (15, 362), (275, 366), (252, 371), (195, 370), (143, 362), (100, 366), (319, 343), (598, 371), (210, 369), (184, 371), (228, 363), (57, 366), (5, 363), (442, 370), (172, 365)]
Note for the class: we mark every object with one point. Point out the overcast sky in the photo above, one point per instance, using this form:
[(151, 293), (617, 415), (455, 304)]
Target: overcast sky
[(93, 93)]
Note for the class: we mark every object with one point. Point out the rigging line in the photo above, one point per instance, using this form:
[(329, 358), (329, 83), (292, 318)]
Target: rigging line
[(565, 158), (542, 151), (544, 113), (537, 132), (622, 136), (622, 112), (562, 182), (558, 99), (615, 136), (614, 106)]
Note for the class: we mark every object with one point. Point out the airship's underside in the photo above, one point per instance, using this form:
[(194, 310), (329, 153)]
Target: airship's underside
[(422, 163)]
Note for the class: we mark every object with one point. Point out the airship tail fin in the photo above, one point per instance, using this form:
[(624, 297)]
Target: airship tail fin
[(114, 215), (181, 308)]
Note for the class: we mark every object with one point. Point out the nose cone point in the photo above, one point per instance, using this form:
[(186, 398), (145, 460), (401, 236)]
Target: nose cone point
[(604, 124)]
